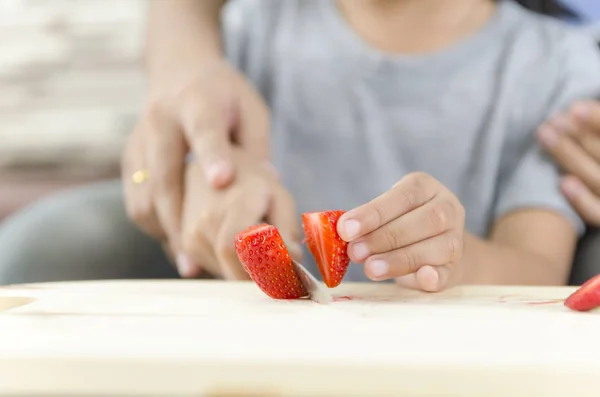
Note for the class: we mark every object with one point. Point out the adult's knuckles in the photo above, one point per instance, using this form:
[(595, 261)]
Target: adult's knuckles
[(193, 92), (202, 112)]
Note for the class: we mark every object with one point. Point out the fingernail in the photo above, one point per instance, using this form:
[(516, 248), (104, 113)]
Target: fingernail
[(548, 136), (572, 187), (360, 250), (217, 171), (581, 110), (352, 228), (185, 265), (378, 268)]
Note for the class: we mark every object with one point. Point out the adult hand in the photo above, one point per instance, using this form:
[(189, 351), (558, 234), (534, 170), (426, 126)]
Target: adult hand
[(212, 218), (573, 139), (202, 109)]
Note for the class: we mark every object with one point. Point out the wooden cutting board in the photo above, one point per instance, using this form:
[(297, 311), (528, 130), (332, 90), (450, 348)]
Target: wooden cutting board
[(195, 338)]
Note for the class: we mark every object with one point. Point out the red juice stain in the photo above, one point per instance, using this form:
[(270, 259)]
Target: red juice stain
[(507, 298), (526, 301), (343, 298), (547, 302)]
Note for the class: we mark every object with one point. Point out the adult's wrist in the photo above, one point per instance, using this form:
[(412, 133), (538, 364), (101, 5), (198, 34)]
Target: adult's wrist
[(183, 35)]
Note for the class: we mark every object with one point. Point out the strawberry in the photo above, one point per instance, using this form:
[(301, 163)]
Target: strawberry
[(326, 245), (265, 258), (586, 297)]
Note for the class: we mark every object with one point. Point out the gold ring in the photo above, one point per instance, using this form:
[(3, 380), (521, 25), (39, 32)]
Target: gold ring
[(140, 176)]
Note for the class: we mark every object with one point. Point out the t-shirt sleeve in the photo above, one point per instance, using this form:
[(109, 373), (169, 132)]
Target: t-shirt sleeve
[(534, 184), (533, 180)]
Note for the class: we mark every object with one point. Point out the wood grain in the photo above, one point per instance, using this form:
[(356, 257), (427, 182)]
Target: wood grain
[(193, 338)]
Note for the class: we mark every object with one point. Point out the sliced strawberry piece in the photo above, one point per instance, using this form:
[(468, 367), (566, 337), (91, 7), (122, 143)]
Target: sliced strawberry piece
[(586, 297), (326, 245), (264, 256)]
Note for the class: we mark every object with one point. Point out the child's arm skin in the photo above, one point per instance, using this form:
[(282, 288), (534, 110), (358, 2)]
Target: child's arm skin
[(529, 246), (415, 233)]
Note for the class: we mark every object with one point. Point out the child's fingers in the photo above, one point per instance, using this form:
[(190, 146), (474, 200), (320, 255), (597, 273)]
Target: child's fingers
[(409, 193), (440, 250), (433, 218), (427, 278)]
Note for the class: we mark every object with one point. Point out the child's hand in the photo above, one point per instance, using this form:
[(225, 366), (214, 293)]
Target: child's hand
[(413, 232)]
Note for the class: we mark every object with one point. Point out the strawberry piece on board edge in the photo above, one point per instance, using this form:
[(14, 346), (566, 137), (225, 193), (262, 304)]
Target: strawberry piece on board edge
[(586, 297)]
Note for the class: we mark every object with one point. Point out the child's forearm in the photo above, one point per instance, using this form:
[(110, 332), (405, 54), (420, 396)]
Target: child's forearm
[(491, 262), (182, 34)]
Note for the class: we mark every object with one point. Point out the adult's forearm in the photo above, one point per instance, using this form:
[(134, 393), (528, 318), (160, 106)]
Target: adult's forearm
[(489, 262), (182, 34)]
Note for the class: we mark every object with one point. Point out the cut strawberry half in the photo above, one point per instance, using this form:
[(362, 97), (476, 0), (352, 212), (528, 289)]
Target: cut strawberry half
[(586, 297), (265, 258), (324, 243)]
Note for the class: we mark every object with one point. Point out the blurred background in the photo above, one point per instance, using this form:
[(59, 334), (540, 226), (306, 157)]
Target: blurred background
[(71, 85), (70, 89)]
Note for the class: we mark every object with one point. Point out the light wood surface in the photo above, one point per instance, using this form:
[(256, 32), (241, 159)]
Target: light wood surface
[(194, 338)]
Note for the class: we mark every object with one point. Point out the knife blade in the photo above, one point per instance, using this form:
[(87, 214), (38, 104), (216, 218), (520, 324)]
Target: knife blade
[(316, 290)]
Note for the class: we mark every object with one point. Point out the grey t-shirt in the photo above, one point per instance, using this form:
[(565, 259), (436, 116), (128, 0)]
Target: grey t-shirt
[(348, 121)]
